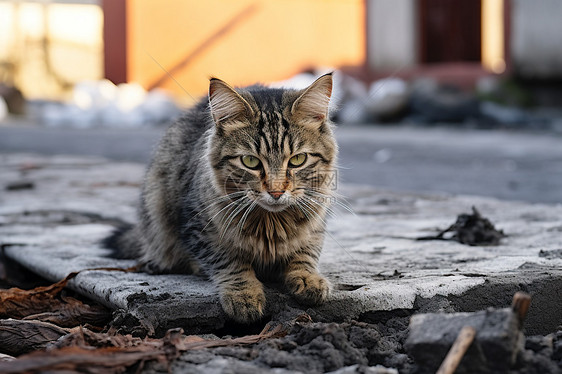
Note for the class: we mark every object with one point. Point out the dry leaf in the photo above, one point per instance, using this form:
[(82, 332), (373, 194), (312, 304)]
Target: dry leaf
[(18, 303), (120, 352), (84, 337), (46, 304), (72, 312), (78, 359), (18, 337), (83, 350)]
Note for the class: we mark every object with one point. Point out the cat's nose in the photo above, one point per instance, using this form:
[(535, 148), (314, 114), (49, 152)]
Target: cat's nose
[(276, 194)]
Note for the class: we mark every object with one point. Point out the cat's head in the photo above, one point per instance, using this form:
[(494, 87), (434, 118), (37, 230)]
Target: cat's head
[(274, 148)]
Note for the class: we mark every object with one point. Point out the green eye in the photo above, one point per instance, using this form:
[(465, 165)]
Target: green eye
[(251, 162), (297, 160)]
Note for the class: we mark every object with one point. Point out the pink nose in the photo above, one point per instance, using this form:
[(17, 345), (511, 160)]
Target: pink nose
[(276, 194)]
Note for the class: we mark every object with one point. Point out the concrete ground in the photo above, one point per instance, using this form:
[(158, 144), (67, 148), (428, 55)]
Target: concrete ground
[(505, 164), (54, 210)]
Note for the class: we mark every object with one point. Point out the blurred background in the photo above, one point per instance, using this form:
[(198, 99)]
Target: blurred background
[(457, 96)]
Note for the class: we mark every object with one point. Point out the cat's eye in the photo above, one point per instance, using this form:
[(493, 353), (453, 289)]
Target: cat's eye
[(297, 160), (251, 162)]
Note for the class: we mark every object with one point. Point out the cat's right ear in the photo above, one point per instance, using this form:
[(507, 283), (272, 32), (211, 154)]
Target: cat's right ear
[(228, 107)]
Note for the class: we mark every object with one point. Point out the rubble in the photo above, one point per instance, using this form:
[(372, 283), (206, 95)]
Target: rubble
[(387, 99), (493, 103), (497, 343), (101, 103), (471, 229), (432, 103)]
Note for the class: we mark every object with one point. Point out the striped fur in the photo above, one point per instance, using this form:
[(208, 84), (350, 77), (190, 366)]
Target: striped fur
[(204, 211)]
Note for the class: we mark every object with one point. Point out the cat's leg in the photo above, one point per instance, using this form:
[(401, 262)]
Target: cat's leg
[(303, 280), (241, 293)]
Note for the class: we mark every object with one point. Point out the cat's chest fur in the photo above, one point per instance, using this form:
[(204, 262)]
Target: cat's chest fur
[(269, 237)]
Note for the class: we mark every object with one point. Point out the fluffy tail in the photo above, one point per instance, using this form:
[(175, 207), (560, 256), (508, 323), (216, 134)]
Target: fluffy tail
[(124, 243)]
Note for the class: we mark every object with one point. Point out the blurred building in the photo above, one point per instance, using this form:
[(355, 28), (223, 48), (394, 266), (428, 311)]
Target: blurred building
[(46, 46), (173, 43), (460, 40)]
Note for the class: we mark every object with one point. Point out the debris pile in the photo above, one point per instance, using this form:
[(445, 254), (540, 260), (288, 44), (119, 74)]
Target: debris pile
[(471, 229), (422, 100), (489, 341), (426, 101), (102, 103)]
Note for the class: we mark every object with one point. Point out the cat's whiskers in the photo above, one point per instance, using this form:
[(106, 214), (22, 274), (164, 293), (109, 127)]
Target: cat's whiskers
[(226, 226), (301, 208), (329, 211), (245, 216), (334, 198), (216, 214), (230, 205), (345, 204), (317, 197), (213, 202), (314, 213), (311, 214)]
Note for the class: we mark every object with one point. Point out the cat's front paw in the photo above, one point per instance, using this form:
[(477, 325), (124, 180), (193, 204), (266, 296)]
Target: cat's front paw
[(308, 288), (244, 305)]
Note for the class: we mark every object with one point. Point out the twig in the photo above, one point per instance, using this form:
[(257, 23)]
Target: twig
[(520, 305), (459, 348)]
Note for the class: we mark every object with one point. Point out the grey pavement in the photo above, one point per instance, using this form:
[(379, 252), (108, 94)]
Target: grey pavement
[(371, 257), (525, 166)]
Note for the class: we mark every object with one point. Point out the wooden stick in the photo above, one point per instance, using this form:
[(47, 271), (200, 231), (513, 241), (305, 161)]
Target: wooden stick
[(520, 305), (457, 351)]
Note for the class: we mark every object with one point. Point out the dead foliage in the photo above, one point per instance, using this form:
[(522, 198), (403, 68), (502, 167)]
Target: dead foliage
[(90, 352), (471, 229), (73, 312), (79, 349), (18, 337), (48, 304), (18, 303)]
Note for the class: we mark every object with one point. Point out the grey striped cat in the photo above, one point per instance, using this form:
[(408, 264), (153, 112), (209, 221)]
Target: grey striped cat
[(238, 190)]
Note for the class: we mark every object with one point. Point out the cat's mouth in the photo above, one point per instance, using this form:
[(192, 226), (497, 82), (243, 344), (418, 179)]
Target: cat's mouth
[(272, 204)]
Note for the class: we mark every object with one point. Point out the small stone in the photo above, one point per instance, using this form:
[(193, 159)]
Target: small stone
[(495, 347), (20, 185)]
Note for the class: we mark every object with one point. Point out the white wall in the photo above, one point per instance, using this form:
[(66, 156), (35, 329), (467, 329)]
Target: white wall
[(536, 38), (391, 34)]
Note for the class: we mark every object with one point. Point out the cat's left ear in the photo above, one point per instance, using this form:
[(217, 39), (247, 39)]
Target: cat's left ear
[(313, 104), (227, 105)]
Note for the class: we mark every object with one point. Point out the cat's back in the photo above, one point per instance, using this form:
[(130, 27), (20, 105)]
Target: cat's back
[(176, 161), (187, 131)]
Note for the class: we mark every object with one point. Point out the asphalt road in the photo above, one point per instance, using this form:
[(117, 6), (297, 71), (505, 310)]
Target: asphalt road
[(508, 165)]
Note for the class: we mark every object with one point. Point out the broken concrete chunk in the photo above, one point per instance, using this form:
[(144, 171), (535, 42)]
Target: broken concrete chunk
[(498, 339)]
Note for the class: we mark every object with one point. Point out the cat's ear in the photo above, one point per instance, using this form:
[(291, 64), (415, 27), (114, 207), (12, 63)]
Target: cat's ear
[(227, 106), (313, 103)]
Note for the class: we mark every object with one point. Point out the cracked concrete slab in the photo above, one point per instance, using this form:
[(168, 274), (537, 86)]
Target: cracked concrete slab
[(372, 258)]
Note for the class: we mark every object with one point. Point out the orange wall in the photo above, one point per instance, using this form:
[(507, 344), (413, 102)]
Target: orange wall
[(267, 40)]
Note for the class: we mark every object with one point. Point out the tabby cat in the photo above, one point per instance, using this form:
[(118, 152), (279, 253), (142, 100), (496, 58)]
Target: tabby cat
[(238, 190)]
